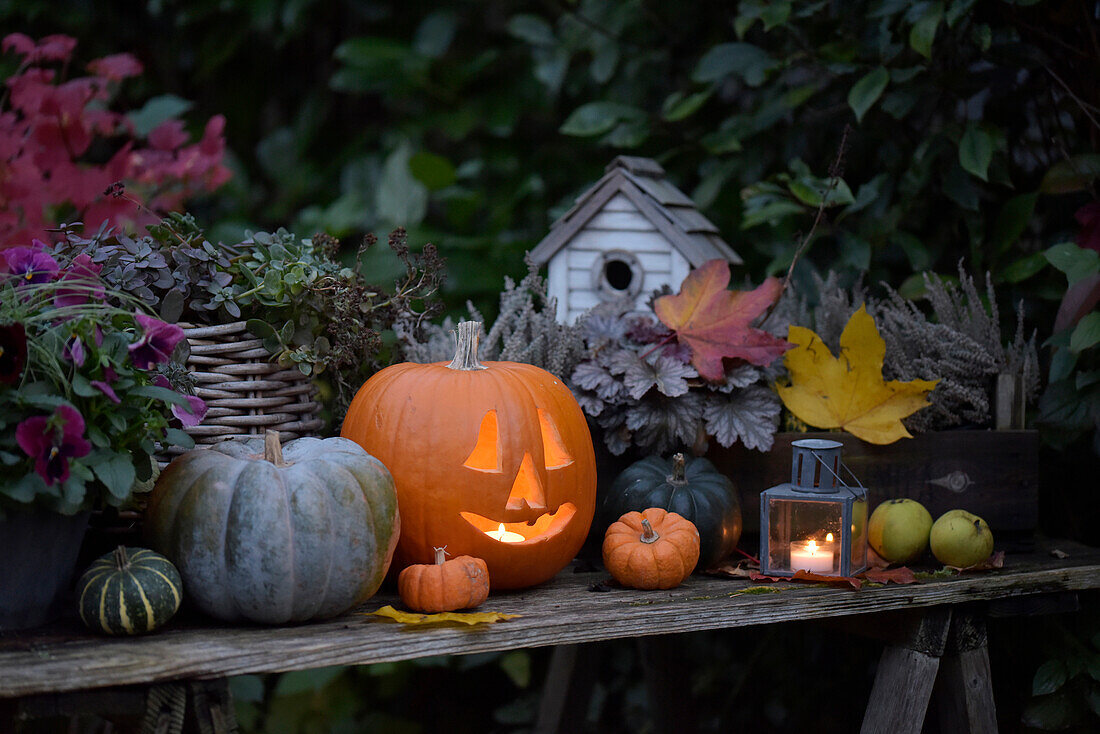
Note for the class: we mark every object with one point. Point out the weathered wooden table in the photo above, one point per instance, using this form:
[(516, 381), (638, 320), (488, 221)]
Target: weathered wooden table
[(942, 620)]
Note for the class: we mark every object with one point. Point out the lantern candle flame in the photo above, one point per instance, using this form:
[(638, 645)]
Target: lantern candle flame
[(505, 536), (809, 556)]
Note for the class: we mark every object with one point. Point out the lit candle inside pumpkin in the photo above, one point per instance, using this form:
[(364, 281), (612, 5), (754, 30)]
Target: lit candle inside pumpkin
[(505, 536), (809, 556)]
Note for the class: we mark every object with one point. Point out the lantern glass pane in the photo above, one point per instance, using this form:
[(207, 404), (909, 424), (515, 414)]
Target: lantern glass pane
[(859, 532), (799, 535)]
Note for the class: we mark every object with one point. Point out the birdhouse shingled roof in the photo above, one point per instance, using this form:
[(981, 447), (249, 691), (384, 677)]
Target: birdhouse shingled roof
[(642, 181)]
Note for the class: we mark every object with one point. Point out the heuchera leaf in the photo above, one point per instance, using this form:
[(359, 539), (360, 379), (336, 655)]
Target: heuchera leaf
[(714, 322), (470, 618), (848, 391)]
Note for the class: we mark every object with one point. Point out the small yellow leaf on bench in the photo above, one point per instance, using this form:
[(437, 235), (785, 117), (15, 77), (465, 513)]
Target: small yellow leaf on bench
[(460, 617)]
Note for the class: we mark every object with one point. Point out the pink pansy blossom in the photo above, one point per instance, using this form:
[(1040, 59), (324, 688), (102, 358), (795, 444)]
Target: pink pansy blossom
[(195, 411), (13, 353), (31, 264), (52, 440), (83, 277), (1088, 217), (107, 390), (168, 135), (157, 341), (74, 350)]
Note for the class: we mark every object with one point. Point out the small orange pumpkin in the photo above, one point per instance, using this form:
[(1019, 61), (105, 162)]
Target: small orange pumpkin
[(444, 586), (652, 549)]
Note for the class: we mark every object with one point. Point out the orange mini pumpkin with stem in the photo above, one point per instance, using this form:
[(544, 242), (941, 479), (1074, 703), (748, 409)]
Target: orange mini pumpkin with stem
[(444, 586), (493, 460), (652, 549)]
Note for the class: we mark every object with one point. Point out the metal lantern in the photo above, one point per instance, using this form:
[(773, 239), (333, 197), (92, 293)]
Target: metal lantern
[(815, 522)]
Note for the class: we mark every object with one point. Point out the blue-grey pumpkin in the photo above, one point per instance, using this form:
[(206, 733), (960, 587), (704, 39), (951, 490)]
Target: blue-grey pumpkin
[(276, 534)]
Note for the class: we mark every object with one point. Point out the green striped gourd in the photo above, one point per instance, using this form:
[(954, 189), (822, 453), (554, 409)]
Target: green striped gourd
[(129, 591)]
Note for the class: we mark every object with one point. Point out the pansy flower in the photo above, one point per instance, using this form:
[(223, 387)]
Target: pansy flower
[(104, 385), (156, 344), (195, 411), (82, 276), (13, 353), (31, 264), (74, 350), (52, 441)]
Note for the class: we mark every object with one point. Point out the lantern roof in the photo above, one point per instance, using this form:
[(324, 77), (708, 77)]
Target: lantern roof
[(671, 211)]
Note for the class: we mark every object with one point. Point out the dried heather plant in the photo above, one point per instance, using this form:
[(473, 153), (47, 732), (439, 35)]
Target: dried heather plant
[(525, 331)]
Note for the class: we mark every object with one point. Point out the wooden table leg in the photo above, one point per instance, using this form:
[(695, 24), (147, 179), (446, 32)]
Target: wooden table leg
[(906, 675), (964, 689), (211, 707), (568, 689)]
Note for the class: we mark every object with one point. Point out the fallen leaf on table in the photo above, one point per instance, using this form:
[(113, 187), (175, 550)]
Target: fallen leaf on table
[(843, 582), (460, 617), (714, 322), (899, 575), (848, 391), (1059, 553), (742, 569), (997, 560)]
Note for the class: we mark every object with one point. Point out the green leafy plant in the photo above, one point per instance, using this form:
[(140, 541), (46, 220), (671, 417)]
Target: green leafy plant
[(311, 311), (82, 406)]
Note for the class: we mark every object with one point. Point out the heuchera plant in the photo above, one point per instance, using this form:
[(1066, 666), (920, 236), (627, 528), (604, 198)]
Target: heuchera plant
[(62, 149), (82, 405)]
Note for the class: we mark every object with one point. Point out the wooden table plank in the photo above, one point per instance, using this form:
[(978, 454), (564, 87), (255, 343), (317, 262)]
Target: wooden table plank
[(562, 611)]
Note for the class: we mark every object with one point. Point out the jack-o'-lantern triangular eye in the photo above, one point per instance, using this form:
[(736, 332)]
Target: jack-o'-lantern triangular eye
[(553, 449), (486, 454)]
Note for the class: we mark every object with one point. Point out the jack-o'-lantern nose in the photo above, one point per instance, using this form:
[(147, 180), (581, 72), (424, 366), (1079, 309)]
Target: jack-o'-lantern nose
[(527, 490)]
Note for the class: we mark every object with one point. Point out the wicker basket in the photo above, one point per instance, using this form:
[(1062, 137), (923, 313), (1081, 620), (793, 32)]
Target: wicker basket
[(245, 392)]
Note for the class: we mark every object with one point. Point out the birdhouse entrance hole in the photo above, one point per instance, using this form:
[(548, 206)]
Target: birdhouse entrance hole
[(618, 273)]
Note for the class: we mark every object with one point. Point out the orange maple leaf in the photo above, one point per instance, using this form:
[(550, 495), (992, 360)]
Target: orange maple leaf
[(714, 322)]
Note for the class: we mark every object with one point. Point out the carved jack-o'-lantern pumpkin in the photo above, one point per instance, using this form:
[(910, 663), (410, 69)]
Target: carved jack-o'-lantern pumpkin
[(492, 460)]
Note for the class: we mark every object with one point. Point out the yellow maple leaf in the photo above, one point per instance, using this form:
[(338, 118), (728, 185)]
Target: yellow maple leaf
[(848, 391), (460, 617)]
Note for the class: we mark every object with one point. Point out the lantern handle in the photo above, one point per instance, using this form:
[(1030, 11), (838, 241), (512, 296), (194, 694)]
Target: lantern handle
[(838, 477)]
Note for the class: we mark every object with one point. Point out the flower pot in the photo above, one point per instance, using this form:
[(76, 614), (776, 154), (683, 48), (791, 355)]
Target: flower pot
[(39, 551)]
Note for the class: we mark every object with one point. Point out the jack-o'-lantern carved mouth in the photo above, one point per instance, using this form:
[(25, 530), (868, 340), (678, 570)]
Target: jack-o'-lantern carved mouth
[(545, 525)]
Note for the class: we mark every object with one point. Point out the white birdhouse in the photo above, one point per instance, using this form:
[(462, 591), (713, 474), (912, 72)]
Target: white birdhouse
[(631, 233)]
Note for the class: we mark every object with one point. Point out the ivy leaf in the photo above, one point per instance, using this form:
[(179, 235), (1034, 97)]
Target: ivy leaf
[(1086, 334), (976, 151), (848, 391), (714, 322), (750, 62), (1050, 676), (667, 374), (867, 90), (469, 618), (750, 415), (596, 118), (923, 32)]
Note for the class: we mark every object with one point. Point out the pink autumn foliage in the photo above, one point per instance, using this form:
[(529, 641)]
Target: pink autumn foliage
[(48, 128)]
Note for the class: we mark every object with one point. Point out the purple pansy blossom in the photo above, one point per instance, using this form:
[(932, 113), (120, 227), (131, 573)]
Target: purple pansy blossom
[(52, 440), (31, 264), (74, 350), (13, 353), (107, 390), (83, 276), (156, 343), (195, 411)]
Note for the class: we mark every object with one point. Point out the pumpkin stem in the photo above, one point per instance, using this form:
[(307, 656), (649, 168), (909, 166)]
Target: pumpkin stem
[(677, 477), (122, 561), (440, 556), (468, 335), (649, 535), (273, 450)]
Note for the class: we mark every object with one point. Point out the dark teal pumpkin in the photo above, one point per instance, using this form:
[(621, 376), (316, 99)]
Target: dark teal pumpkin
[(692, 488), (129, 591)]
